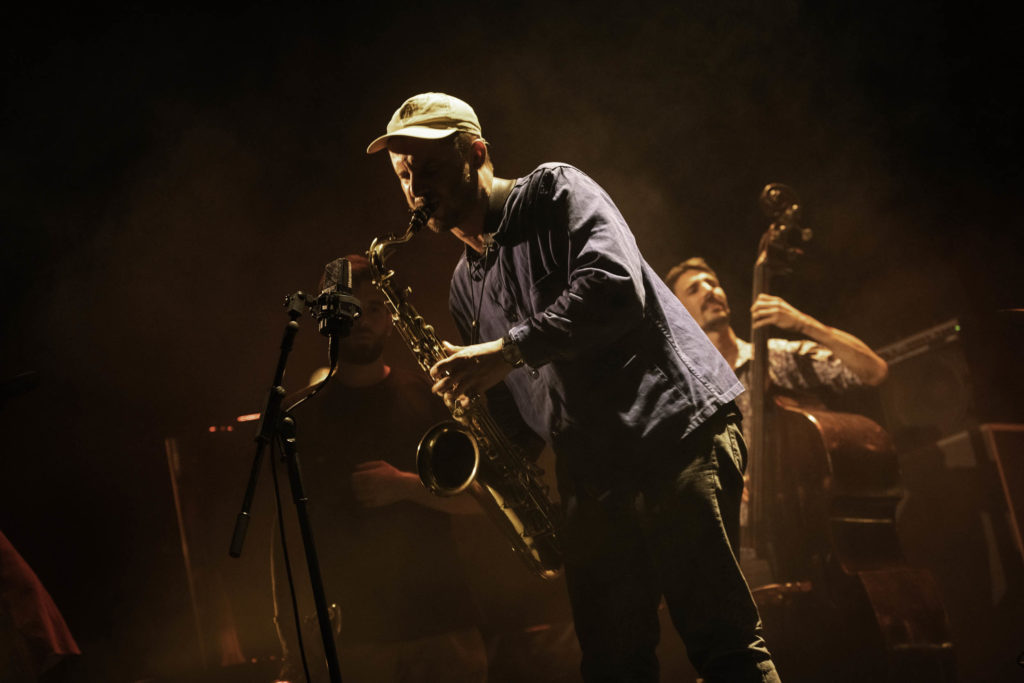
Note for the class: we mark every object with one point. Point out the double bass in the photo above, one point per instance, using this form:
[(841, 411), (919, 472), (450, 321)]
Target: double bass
[(823, 492)]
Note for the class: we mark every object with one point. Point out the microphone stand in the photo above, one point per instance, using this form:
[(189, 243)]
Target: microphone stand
[(279, 424)]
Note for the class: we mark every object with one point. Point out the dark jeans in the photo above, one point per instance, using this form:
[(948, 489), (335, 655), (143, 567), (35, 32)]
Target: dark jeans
[(671, 532)]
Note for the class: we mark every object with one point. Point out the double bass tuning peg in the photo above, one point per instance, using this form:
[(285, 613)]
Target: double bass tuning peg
[(780, 204), (779, 200)]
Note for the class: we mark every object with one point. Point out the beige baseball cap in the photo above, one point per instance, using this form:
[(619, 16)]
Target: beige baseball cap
[(430, 116)]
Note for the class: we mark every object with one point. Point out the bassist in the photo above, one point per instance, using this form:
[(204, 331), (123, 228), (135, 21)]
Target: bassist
[(828, 360)]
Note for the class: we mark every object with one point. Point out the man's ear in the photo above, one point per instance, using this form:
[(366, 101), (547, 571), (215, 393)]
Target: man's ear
[(479, 153)]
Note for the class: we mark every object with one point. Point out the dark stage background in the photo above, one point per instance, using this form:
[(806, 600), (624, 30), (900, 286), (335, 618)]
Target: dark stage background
[(169, 176)]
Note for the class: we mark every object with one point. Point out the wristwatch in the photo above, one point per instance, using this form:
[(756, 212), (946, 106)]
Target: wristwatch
[(510, 352)]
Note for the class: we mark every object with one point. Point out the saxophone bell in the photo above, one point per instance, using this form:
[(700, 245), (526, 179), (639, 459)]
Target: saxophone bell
[(447, 458)]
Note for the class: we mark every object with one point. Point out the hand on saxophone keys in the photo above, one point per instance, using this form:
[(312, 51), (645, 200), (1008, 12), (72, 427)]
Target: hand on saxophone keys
[(468, 372)]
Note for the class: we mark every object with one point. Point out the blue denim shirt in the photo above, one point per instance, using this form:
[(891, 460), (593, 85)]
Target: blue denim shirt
[(616, 369)]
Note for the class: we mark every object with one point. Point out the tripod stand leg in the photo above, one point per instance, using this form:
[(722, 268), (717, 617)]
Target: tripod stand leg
[(290, 454)]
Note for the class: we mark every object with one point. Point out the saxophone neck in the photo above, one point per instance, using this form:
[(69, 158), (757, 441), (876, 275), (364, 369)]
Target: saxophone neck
[(382, 247)]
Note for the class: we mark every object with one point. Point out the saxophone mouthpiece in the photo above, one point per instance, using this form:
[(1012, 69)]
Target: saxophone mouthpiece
[(420, 216)]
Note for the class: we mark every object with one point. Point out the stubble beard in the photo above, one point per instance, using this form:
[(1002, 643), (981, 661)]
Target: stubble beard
[(361, 352), (458, 208), (717, 323)]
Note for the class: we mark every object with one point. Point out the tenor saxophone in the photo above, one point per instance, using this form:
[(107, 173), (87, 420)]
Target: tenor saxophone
[(470, 452)]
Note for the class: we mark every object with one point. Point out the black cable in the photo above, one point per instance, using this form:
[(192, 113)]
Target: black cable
[(332, 356)]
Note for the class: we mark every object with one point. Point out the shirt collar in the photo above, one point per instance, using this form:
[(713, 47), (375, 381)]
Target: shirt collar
[(746, 352), (501, 188), (500, 191)]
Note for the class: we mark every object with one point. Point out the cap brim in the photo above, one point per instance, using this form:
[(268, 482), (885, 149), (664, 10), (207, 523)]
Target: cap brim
[(422, 132)]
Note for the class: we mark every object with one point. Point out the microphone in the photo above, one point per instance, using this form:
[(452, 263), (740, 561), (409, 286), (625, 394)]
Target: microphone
[(338, 274), (336, 308)]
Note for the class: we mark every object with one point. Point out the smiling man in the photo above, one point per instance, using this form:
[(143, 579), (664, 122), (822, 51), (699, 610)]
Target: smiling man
[(828, 359), (557, 306)]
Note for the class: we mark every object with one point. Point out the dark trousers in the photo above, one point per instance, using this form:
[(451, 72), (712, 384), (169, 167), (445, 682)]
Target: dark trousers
[(672, 532)]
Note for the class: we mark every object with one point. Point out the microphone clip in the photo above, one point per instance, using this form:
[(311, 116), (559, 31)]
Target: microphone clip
[(333, 310)]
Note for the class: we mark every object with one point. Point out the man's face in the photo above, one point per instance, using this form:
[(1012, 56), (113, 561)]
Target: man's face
[(365, 342), (704, 298), (432, 173)]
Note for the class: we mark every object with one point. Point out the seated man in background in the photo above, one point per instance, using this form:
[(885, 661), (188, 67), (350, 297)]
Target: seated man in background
[(387, 551)]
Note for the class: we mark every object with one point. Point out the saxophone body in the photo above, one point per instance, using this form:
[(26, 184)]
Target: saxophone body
[(470, 453)]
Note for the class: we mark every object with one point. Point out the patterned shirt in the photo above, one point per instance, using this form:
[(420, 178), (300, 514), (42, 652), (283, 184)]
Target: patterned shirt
[(795, 364)]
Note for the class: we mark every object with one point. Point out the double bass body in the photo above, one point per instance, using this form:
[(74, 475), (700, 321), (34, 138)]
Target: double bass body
[(836, 487), (846, 607)]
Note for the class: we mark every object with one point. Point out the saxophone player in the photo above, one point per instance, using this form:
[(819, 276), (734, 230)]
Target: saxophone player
[(554, 301), (388, 553)]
